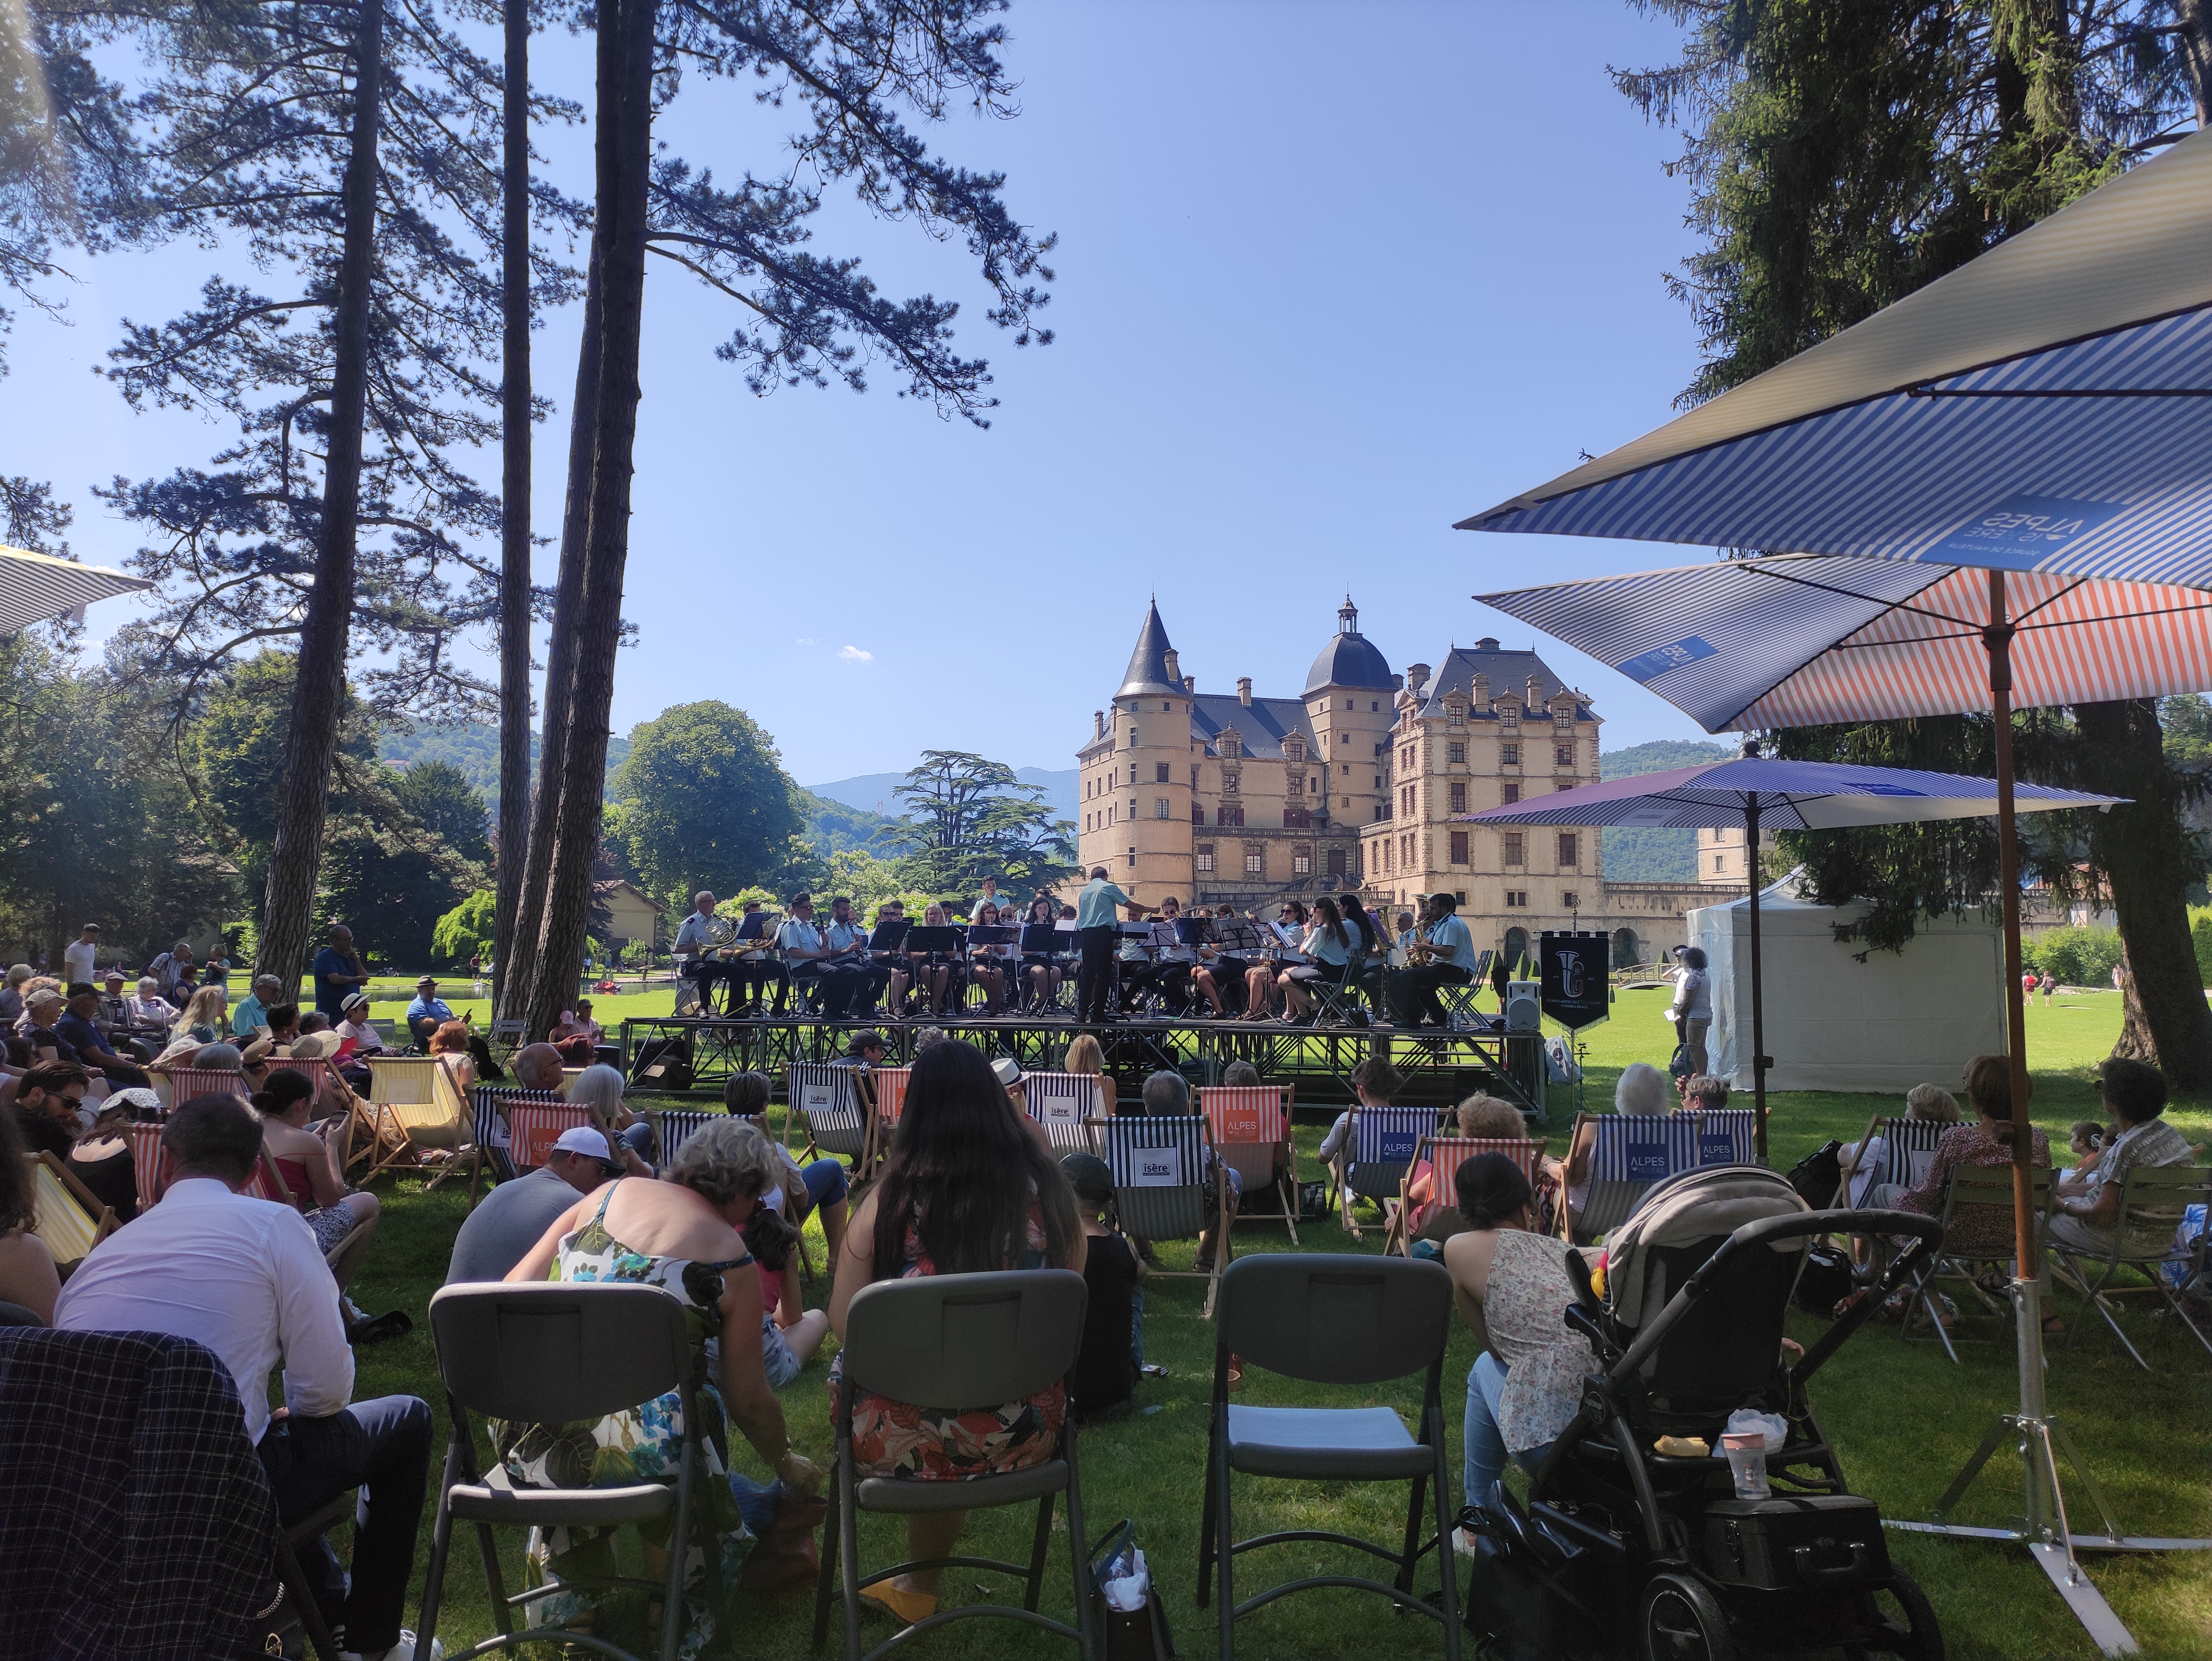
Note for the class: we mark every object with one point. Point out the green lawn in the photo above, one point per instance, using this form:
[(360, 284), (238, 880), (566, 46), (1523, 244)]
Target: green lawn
[(1904, 1417)]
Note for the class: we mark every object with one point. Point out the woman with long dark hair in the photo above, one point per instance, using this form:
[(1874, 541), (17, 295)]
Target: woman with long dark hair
[(967, 1191), (1329, 943)]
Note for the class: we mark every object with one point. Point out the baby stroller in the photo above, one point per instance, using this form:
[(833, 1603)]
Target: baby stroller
[(1624, 1551)]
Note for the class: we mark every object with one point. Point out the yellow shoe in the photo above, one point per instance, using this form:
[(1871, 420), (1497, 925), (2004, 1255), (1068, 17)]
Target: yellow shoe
[(909, 1606)]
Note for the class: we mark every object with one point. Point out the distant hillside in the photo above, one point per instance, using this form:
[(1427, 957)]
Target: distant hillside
[(876, 791), (1637, 855), (472, 746), (833, 825)]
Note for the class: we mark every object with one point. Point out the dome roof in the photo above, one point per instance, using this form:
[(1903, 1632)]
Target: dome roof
[(1349, 658)]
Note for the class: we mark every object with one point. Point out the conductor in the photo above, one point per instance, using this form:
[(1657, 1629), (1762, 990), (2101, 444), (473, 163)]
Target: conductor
[(1095, 908)]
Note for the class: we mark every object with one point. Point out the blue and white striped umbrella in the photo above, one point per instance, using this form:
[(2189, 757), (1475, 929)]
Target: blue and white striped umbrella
[(36, 586)]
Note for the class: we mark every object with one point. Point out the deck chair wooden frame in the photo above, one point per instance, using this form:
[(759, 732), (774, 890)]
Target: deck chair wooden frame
[(393, 1126), (66, 1215), (1630, 1152), (1377, 1155), (1445, 1155), (1268, 1157), (1160, 1164), (1069, 1106)]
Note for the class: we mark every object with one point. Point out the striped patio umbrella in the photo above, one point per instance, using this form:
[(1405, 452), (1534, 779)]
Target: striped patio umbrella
[(1759, 793), (2012, 464), (36, 586)]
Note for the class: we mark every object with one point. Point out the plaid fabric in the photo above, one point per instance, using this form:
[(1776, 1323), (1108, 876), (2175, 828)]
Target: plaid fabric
[(1060, 1102), (135, 1521), (1159, 1167), (1445, 1154), (485, 1116), (1384, 1142), (832, 1106)]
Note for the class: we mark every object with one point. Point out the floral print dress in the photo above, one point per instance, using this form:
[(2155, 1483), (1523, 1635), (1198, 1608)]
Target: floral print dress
[(644, 1444), (903, 1440)]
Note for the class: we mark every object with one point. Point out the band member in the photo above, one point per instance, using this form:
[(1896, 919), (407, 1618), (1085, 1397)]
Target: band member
[(848, 960), (990, 963), (1001, 903), (1451, 962), (892, 965), (1234, 952), (694, 958), (804, 954), (1329, 943), (935, 975), (1178, 961), (1370, 950), (1287, 934), (1094, 924), (1041, 975), (753, 973)]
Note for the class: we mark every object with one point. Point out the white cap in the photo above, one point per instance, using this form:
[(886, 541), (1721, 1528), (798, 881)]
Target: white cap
[(584, 1139)]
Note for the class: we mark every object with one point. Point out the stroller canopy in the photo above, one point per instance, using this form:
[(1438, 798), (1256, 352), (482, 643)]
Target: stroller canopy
[(1694, 1206)]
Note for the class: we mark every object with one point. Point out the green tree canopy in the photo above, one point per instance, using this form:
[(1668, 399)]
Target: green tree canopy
[(437, 795), (704, 802), (969, 818)]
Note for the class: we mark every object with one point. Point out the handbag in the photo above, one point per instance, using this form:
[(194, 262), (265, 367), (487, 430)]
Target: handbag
[(1131, 1634), (1816, 1176)]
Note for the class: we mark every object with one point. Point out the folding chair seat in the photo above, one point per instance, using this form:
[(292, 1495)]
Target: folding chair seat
[(407, 1133), (1376, 1157), (1978, 1230), (1340, 999), (2155, 1202), (1458, 1002), (1069, 1106), (963, 1341), (1325, 1318), (827, 1098), (1443, 1156), (1251, 1129), (560, 1354), (1633, 1151), (505, 1037), (1161, 1168), (65, 1214)]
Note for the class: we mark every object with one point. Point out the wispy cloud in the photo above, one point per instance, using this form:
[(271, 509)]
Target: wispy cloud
[(855, 654), (804, 640)]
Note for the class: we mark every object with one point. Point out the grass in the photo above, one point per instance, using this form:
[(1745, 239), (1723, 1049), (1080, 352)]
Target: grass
[(1904, 1417)]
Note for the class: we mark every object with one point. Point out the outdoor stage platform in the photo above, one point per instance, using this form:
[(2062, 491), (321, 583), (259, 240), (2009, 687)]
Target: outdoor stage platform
[(1440, 1066)]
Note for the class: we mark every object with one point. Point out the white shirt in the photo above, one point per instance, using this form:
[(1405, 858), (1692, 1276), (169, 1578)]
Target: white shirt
[(1693, 998), (76, 961), (366, 1040), (241, 1276)]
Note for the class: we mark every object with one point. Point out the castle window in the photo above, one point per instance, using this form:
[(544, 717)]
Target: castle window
[(1455, 716), (1163, 808), (1336, 861), (1255, 864), (1459, 848), (1197, 814), (1229, 780), (1133, 738), (1372, 705), (1160, 772), (1516, 847), (1509, 755), (1230, 815), (1193, 776), (1205, 856), (1571, 899), (1510, 792), (1456, 753), (1720, 862), (1563, 755), (1458, 792), (1378, 780), (1509, 715), (1167, 709), (1132, 772), (1133, 853), (1570, 847), (1302, 863)]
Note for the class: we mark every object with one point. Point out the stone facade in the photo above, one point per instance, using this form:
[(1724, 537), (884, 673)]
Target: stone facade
[(1721, 863), (1252, 800)]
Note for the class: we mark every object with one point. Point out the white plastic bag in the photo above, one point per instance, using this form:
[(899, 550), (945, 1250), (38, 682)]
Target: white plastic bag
[(1128, 1583), (1772, 1426)]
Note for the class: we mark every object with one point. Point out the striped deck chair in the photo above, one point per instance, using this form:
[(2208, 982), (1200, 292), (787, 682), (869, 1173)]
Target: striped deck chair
[(672, 1126), (1443, 1156), (1908, 1149), (406, 1132), (1633, 1151), (1382, 1145), (1068, 1106), (829, 1099), (65, 1214), (1160, 1167), (1251, 1127), (181, 1084), (495, 1132), (888, 1087), (148, 1162)]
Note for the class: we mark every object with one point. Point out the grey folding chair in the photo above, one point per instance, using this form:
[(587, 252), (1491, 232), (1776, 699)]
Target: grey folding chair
[(958, 1343), (1977, 1204), (554, 1353), (2154, 1200), (1330, 1319)]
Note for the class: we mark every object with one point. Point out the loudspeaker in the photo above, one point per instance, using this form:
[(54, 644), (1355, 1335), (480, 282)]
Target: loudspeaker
[(1524, 1011)]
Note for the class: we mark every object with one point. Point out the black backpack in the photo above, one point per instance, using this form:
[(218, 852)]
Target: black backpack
[(1816, 1176)]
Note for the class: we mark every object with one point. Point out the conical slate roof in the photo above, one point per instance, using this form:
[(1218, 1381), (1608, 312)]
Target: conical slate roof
[(1148, 664)]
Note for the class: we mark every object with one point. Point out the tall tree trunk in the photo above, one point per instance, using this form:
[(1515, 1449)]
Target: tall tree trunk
[(318, 694), (515, 493), (626, 55), (517, 987), (2143, 850), (2195, 17)]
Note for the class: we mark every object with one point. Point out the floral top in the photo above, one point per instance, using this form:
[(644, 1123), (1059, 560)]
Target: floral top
[(901, 1439), (1523, 1305), (1974, 1229)]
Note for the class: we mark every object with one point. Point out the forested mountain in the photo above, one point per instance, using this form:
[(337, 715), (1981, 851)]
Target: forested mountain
[(1632, 855), (472, 746)]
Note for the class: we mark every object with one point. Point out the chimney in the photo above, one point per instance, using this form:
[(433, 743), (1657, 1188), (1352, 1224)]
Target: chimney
[(1097, 723), (1190, 683), (1482, 692), (1245, 689), (1175, 672), (1536, 698), (1417, 677)]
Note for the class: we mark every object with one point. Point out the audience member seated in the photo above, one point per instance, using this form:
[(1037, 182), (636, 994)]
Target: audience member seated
[(1085, 1055), (513, 1217), (49, 1109), (102, 1160), (115, 1019), (824, 1183), (1482, 1116), (1702, 1092), (2134, 1093), (1374, 1082), (1512, 1290), (79, 1024), (355, 1030), (537, 1067), (1927, 1104), (42, 1013), (312, 1164), (1168, 1094), (682, 1235), (11, 994), (1102, 1382), (599, 1089), (27, 1277), (251, 1014), (1642, 1088), (243, 1277), (426, 1013), (202, 1018), (2085, 1141), (865, 1049), (965, 1190), (577, 1036)]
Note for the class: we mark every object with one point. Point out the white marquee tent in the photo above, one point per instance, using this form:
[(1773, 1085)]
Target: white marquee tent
[(1834, 1023)]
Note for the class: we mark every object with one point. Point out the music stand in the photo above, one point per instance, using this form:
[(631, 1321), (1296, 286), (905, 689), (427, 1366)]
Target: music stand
[(889, 934), (992, 933), (1040, 939), (752, 925), (1195, 930), (1127, 930), (939, 940)]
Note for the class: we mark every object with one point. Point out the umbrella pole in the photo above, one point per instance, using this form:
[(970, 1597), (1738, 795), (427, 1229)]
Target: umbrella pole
[(1758, 987)]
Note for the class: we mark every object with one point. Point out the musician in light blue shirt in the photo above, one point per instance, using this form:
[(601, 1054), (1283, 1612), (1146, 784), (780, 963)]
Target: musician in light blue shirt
[(1413, 990)]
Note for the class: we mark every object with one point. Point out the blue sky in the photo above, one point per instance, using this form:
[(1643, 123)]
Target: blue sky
[(1330, 277)]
